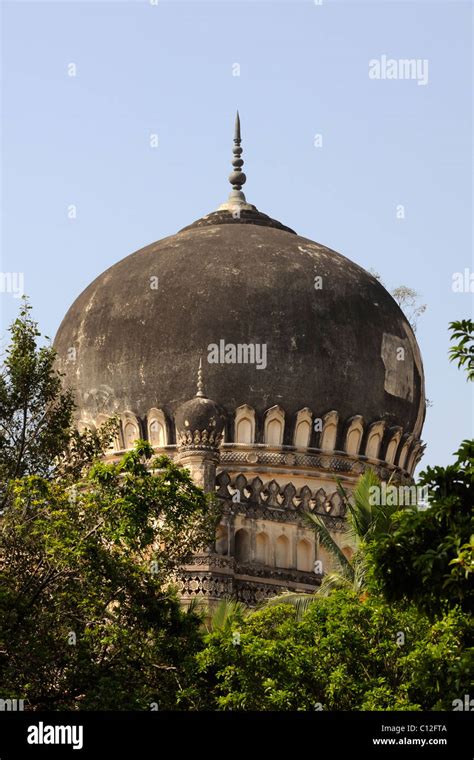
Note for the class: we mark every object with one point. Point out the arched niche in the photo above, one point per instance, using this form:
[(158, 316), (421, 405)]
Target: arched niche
[(302, 436), (282, 552), (329, 431), (242, 546), (304, 556), (392, 446), (374, 440), (157, 428), (404, 452), (413, 458), (130, 430), (354, 435), (262, 548), (244, 424), (222, 540), (117, 443), (274, 426)]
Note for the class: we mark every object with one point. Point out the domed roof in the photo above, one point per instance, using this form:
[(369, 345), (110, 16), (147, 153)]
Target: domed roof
[(199, 421), (279, 318)]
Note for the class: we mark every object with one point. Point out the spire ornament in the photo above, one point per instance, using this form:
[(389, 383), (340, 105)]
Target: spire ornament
[(237, 201), (200, 384), (237, 178)]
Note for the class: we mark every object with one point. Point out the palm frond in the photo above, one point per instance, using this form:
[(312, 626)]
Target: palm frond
[(225, 614), (333, 581), (300, 601), (327, 541)]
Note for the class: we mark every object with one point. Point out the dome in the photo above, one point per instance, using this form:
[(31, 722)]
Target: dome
[(199, 421), (278, 319)]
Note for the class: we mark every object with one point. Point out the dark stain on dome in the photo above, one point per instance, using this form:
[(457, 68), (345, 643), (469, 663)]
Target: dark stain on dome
[(243, 282)]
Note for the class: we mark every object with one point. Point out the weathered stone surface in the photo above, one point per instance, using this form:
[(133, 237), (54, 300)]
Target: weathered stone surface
[(243, 280)]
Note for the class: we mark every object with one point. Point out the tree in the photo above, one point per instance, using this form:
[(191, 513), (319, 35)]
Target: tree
[(35, 414), (463, 351), (407, 298), (426, 556), (88, 618), (345, 654), (37, 436), (366, 521)]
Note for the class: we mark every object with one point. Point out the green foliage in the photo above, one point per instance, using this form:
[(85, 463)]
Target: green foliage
[(426, 557), (463, 352), (95, 561), (345, 654), (366, 522), (35, 414), (226, 614)]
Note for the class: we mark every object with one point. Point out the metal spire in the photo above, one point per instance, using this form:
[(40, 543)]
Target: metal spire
[(237, 178), (200, 385)]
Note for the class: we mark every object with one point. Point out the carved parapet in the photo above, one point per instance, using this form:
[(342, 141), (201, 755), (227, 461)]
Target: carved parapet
[(277, 502)]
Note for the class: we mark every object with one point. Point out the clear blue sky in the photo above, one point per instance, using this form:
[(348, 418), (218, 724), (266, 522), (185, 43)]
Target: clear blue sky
[(166, 69)]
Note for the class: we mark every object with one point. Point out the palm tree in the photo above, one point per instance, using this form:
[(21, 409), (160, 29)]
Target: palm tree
[(225, 616), (365, 522)]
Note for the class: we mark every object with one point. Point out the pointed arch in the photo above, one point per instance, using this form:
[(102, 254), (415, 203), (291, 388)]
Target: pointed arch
[(222, 539), (244, 424), (242, 546), (354, 435), (157, 428), (116, 444), (304, 420), (404, 452), (374, 440), (282, 552), (304, 555), (130, 429), (392, 445), (414, 457), (262, 548), (329, 431), (274, 425)]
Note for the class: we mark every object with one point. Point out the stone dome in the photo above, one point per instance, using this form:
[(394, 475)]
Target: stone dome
[(278, 319)]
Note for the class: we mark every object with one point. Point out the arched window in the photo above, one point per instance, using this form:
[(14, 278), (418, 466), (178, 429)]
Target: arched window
[(274, 424), (262, 548), (244, 424), (242, 546), (282, 552), (304, 556), (303, 428)]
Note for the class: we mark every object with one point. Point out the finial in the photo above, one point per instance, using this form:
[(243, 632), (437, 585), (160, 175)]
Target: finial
[(200, 386), (237, 178)]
